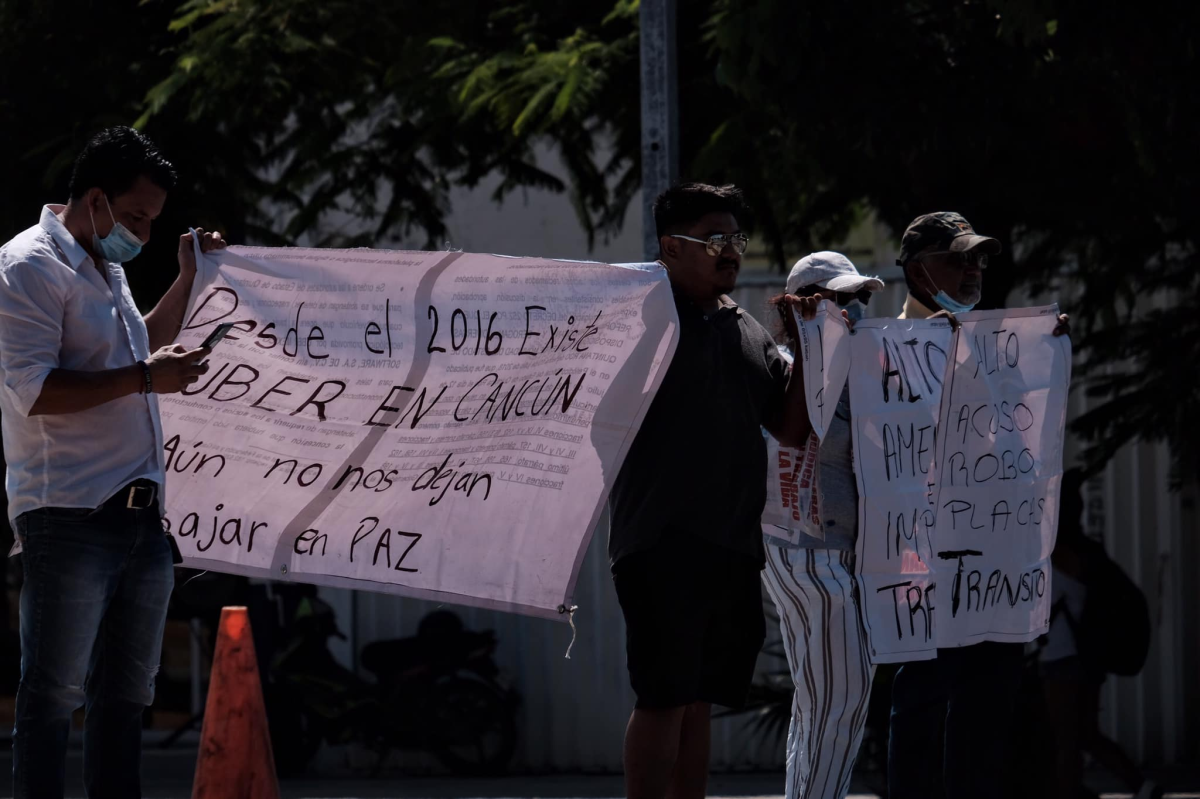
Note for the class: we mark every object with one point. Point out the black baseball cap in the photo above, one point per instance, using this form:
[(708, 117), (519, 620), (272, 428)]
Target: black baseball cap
[(945, 230)]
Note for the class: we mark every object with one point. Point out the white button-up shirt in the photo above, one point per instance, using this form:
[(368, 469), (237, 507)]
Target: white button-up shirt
[(58, 312)]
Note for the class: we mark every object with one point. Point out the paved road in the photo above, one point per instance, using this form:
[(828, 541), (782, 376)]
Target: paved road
[(168, 775)]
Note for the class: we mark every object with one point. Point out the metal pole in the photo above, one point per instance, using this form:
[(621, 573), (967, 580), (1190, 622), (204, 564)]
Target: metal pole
[(196, 656), (660, 111)]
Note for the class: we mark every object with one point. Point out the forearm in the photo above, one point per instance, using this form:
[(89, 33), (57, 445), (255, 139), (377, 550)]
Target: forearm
[(163, 323), (67, 391), (793, 426)]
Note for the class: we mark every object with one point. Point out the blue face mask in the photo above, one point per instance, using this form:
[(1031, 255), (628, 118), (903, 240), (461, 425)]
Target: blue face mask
[(947, 302), (950, 304), (854, 310), (119, 245)]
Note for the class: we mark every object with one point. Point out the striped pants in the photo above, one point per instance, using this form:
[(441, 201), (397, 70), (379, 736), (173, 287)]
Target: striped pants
[(827, 653)]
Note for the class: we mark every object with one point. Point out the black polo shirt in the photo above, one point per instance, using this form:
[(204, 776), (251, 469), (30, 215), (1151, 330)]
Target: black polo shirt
[(699, 464)]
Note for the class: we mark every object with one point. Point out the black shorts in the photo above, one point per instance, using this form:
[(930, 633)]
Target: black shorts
[(693, 622)]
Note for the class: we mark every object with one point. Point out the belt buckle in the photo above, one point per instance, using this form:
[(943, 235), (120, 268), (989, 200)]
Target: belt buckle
[(130, 503)]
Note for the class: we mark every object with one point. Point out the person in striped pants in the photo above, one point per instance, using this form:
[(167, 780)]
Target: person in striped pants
[(810, 574)]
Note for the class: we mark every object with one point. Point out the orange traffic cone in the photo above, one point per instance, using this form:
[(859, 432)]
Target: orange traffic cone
[(235, 759)]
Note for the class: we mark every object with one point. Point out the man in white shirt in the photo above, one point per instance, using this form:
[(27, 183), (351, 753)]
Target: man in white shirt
[(83, 441)]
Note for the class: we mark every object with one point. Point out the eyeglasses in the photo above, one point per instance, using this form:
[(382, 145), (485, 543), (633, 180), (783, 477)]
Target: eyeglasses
[(842, 298), (845, 297), (960, 260), (716, 244)]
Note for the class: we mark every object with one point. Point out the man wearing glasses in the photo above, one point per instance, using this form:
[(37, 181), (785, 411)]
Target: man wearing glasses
[(685, 544), (951, 716)]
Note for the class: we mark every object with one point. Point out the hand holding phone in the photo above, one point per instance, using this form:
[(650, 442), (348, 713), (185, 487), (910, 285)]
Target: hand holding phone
[(173, 369)]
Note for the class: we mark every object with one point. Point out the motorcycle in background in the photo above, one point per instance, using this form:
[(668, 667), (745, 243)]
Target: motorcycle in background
[(439, 691)]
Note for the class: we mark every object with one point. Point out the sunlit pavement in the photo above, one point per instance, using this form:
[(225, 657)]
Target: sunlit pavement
[(168, 775)]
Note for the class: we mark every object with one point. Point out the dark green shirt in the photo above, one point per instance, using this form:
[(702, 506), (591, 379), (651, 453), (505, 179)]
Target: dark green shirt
[(698, 464)]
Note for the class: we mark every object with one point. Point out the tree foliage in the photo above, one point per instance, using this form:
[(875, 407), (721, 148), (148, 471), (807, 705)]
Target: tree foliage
[(1064, 128), (358, 118)]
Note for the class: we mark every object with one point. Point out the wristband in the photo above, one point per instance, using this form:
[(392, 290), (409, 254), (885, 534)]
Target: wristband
[(148, 385)]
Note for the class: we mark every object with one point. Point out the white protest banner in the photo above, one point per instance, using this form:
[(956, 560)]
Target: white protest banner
[(896, 373), (793, 491), (825, 351), (1004, 411), (787, 513), (440, 425)]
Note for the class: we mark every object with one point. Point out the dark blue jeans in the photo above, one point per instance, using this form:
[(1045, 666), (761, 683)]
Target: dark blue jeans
[(93, 609), (951, 719)]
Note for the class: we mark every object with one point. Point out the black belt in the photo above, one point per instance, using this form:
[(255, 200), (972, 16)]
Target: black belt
[(138, 495)]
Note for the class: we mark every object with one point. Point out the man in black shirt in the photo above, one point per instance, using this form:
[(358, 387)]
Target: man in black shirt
[(685, 544)]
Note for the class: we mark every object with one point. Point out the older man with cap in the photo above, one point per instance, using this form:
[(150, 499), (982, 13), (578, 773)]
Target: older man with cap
[(951, 716), (811, 580), (943, 260)]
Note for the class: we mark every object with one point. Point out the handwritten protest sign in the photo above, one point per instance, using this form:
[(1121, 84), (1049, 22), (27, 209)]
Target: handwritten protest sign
[(897, 370), (1003, 413), (825, 351), (959, 461), (793, 491), (439, 425)]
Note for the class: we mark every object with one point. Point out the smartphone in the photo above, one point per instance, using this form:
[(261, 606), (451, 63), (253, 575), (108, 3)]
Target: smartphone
[(221, 331)]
